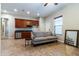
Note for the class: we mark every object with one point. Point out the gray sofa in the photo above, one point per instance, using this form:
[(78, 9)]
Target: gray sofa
[(42, 37)]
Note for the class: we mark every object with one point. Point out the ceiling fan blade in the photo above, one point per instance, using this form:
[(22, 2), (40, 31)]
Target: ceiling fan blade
[(55, 3), (45, 4)]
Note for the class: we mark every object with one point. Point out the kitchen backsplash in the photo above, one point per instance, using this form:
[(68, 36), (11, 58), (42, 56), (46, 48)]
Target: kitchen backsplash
[(33, 28)]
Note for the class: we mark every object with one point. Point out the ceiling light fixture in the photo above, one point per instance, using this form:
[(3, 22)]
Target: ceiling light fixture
[(28, 12), (15, 10), (45, 4)]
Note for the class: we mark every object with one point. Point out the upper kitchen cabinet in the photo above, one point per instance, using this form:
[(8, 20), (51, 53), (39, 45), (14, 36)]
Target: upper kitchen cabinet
[(19, 23), (35, 23), (23, 23)]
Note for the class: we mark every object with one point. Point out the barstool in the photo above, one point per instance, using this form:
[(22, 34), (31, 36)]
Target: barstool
[(27, 40)]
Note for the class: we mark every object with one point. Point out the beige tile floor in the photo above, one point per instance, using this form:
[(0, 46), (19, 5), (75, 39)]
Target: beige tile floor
[(12, 47)]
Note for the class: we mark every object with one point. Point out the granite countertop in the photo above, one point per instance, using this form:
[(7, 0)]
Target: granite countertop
[(23, 30)]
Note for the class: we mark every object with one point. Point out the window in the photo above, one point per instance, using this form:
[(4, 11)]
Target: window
[(58, 22)]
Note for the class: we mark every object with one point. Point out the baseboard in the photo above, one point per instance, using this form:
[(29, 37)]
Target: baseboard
[(61, 41)]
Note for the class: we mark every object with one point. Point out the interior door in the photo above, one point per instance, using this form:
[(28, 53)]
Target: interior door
[(5, 27)]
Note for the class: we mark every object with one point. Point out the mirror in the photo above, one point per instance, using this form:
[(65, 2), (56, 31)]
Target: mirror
[(72, 37)]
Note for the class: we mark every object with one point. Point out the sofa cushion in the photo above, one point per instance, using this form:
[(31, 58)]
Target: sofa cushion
[(51, 37), (42, 34), (47, 34), (45, 38), (38, 34)]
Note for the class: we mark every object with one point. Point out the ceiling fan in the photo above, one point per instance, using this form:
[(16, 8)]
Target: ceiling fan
[(47, 4)]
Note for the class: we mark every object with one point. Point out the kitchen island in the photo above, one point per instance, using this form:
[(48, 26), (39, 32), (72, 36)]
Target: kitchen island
[(22, 34)]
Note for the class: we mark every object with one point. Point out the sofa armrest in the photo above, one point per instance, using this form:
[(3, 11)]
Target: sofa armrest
[(32, 36)]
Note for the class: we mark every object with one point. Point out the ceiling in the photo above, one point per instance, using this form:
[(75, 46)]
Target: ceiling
[(34, 8)]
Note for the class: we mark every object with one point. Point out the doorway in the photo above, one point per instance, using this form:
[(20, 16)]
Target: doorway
[(4, 28)]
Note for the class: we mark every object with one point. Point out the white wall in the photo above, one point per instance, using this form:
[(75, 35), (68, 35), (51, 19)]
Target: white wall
[(11, 24), (0, 29), (49, 24), (42, 24), (70, 18), (0, 21)]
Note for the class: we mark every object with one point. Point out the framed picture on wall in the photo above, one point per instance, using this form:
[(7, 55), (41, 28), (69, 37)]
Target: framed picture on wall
[(72, 37)]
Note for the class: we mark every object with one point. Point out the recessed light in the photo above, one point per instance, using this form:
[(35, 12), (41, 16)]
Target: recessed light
[(38, 14), (5, 11), (28, 12), (15, 10)]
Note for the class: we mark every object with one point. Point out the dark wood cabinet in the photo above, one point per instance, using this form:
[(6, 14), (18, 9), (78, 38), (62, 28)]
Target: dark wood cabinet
[(22, 35), (18, 23), (35, 23), (18, 35), (21, 23), (26, 35)]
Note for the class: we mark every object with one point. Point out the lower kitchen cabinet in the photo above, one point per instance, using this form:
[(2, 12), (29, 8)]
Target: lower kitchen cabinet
[(18, 35), (26, 35), (22, 35)]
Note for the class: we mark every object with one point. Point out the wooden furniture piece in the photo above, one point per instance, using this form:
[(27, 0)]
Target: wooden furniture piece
[(28, 41), (22, 34), (18, 35), (72, 37), (26, 35), (19, 24), (24, 23)]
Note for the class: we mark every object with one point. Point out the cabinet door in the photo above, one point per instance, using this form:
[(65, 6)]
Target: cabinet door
[(18, 35), (24, 23), (19, 24), (35, 23), (26, 35)]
